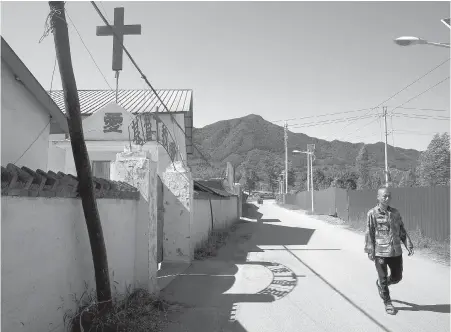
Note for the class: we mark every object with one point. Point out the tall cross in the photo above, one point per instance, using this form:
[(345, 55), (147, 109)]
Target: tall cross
[(118, 36), (118, 30)]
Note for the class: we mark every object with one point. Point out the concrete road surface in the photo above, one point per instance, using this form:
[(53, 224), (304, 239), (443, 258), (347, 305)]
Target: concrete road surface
[(283, 271)]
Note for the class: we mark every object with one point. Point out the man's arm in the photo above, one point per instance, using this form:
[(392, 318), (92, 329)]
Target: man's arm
[(404, 236), (369, 235)]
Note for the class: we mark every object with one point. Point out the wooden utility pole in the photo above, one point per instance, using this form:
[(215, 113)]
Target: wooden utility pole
[(286, 156), (386, 145), (81, 158)]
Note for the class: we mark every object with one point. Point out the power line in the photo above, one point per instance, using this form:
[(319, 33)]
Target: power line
[(417, 116), (87, 49), (419, 132), (421, 77), (359, 110), (29, 147), (418, 95), (147, 82), (53, 74), (315, 116), (422, 109), (325, 122), (360, 128), (106, 13)]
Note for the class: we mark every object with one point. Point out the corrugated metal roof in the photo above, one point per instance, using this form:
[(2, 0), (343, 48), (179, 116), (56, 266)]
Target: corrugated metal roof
[(134, 101)]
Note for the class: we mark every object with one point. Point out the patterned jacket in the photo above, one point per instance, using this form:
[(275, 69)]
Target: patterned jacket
[(385, 232)]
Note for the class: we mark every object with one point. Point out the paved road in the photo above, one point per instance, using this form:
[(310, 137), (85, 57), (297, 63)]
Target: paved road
[(283, 271)]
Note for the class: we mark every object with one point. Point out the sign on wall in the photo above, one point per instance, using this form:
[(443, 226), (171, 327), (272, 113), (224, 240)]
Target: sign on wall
[(108, 124), (113, 122), (146, 128)]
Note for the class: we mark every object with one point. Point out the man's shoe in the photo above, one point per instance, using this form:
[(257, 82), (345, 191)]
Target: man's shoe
[(389, 308)]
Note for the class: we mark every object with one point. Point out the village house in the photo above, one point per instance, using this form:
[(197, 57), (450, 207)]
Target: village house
[(29, 116), (109, 128)]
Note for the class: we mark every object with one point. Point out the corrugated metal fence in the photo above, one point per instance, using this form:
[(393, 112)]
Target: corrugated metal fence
[(423, 208)]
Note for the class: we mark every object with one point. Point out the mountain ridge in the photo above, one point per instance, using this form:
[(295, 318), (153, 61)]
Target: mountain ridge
[(252, 137)]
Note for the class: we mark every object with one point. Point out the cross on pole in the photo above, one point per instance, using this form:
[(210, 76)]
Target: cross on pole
[(118, 30)]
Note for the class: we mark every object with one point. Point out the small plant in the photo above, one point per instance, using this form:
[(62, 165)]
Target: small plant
[(134, 311), (211, 246)]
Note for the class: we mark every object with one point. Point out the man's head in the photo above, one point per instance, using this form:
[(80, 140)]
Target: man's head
[(384, 196)]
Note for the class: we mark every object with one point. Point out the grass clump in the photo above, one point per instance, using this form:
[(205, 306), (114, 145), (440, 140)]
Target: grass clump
[(210, 247), (137, 311)]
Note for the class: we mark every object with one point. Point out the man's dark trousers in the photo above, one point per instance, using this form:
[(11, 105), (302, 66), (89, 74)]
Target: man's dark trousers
[(395, 265)]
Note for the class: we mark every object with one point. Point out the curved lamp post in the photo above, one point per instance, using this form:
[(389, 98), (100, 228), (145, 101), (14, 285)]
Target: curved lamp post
[(408, 41)]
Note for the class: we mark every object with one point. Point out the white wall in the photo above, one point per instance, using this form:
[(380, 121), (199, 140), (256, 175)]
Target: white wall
[(225, 214), (22, 119), (46, 256)]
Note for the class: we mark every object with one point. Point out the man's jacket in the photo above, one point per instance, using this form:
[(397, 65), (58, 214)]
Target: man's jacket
[(384, 233)]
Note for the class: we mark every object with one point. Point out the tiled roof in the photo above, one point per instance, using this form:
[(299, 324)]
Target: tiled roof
[(134, 101), (26, 182)]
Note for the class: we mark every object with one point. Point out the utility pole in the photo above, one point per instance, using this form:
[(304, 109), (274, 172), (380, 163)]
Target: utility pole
[(286, 156), (310, 154), (80, 153), (386, 137), (311, 176), (308, 172)]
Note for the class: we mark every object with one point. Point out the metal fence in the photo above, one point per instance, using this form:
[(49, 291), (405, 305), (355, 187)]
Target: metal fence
[(425, 208)]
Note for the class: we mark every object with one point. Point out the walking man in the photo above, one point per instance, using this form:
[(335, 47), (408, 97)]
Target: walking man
[(384, 233)]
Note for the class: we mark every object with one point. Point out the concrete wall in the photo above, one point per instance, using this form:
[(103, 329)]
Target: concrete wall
[(22, 118), (225, 214), (178, 214), (46, 256)]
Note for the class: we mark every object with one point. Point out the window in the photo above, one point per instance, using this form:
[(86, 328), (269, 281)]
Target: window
[(101, 169)]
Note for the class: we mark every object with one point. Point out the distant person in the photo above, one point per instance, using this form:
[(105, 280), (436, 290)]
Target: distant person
[(384, 233)]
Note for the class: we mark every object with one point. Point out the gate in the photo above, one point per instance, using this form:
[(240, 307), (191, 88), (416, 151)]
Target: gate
[(160, 219)]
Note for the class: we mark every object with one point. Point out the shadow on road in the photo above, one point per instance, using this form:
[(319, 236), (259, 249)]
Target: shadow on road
[(269, 220), (208, 291), (441, 308)]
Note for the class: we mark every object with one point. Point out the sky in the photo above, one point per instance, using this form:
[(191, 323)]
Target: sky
[(280, 60)]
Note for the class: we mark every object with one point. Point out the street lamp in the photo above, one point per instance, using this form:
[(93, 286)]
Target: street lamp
[(408, 41)]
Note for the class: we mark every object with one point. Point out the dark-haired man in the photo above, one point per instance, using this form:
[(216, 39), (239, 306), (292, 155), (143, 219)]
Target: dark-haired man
[(384, 233)]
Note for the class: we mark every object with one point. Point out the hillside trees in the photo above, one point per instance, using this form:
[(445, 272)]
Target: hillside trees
[(433, 167), (409, 179)]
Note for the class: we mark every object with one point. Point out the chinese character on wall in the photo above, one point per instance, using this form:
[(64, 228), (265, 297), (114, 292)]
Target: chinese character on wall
[(112, 123)]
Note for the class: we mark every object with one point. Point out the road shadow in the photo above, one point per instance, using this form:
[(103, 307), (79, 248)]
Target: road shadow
[(269, 220), (208, 291), (251, 211), (440, 308)]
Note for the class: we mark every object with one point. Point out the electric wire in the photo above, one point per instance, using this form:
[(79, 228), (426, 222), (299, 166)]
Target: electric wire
[(34, 141), (87, 49)]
